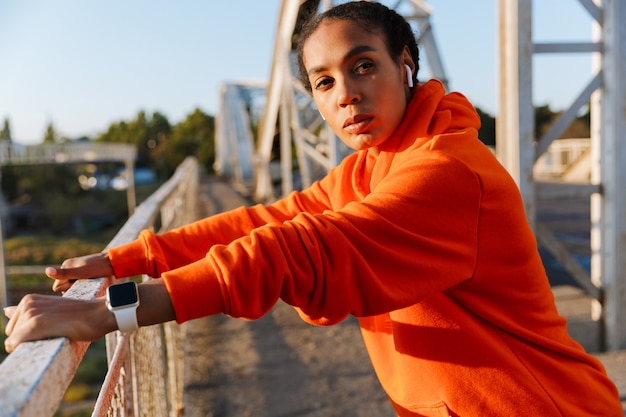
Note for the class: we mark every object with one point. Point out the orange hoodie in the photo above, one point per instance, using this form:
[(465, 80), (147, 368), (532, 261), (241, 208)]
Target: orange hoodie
[(427, 245)]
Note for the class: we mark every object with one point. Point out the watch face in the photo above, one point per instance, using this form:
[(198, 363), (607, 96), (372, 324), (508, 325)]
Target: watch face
[(122, 294)]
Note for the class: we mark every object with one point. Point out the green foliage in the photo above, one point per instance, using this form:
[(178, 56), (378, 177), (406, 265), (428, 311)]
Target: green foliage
[(149, 134), (163, 147), (92, 369), (544, 116), (51, 135), (9, 182), (135, 132), (50, 190), (487, 131), (3, 337), (50, 249), (27, 181), (5, 133), (193, 136)]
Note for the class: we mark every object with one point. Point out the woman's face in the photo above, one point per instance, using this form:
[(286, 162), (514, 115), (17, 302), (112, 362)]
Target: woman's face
[(360, 90)]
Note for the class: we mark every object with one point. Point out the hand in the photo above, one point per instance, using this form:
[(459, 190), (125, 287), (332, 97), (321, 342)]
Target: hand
[(91, 266), (45, 316)]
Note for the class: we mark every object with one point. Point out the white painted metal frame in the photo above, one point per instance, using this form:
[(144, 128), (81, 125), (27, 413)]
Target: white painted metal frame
[(514, 129), (608, 209), (234, 140), (518, 152)]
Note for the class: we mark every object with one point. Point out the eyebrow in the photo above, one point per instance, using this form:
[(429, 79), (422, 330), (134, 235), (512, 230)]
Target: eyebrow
[(359, 49)]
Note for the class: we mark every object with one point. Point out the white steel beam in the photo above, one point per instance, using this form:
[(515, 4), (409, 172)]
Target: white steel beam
[(515, 128), (609, 170), (275, 96), (517, 149)]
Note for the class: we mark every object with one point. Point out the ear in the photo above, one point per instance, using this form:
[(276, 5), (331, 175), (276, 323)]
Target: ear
[(409, 65), (407, 59), (409, 75)]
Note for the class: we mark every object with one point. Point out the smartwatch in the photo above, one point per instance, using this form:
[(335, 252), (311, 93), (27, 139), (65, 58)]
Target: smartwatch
[(123, 300)]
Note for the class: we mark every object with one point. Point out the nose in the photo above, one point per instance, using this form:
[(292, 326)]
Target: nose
[(348, 93)]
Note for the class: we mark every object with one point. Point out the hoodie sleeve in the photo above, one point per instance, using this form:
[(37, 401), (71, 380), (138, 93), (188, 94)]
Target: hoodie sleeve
[(414, 235), (154, 254)]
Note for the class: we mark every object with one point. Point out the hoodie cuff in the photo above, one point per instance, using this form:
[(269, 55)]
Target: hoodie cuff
[(129, 259), (194, 290)]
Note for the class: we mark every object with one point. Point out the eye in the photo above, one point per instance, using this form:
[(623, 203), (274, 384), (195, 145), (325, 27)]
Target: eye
[(364, 67), (323, 83)]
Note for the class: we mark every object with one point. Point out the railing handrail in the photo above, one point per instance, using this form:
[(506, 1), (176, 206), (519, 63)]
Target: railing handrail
[(34, 378), (71, 152)]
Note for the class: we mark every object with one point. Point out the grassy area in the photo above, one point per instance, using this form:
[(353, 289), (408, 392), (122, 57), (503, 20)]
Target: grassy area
[(50, 249)]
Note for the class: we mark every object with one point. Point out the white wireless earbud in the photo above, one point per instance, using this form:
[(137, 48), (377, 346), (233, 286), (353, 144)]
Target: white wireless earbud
[(323, 118), (409, 75)]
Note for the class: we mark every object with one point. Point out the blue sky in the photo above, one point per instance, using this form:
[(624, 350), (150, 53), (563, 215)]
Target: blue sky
[(83, 65)]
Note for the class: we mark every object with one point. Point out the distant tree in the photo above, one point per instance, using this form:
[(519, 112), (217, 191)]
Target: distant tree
[(194, 136), (544, 117), (51, 135), (5, 133), (487, 131), (8, 178), (163, 147), (158, 143)]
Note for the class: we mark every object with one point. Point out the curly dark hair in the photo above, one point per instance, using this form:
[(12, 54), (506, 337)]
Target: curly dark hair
[(372, 17)]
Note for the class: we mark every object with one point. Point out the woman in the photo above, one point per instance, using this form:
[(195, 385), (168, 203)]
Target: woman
[(421, 234)]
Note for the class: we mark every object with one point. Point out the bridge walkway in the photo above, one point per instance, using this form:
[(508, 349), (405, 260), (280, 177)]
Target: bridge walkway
[(278, 365), (281, 366)]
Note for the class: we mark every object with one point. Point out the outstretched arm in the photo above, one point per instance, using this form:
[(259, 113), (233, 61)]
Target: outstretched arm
[(44, 316)]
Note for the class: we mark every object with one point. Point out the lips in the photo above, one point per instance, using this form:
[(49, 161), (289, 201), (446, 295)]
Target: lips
[(357, 124)]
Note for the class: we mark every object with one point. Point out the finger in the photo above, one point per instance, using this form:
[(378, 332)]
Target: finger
[(12, 340), (65, 273), (51, 272), (45, 316), (62, 286), (64, 276), (12, 313), (9, 311), (90, 266), (9, 346)]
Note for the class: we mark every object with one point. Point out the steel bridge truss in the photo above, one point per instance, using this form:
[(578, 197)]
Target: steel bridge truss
[(518, 149), (294, 146)]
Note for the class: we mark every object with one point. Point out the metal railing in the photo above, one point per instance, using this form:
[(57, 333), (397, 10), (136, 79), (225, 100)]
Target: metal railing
[(145, 368), (62, 153)]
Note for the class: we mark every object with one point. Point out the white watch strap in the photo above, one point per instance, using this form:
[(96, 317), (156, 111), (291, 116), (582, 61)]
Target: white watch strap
[(126, 319)]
